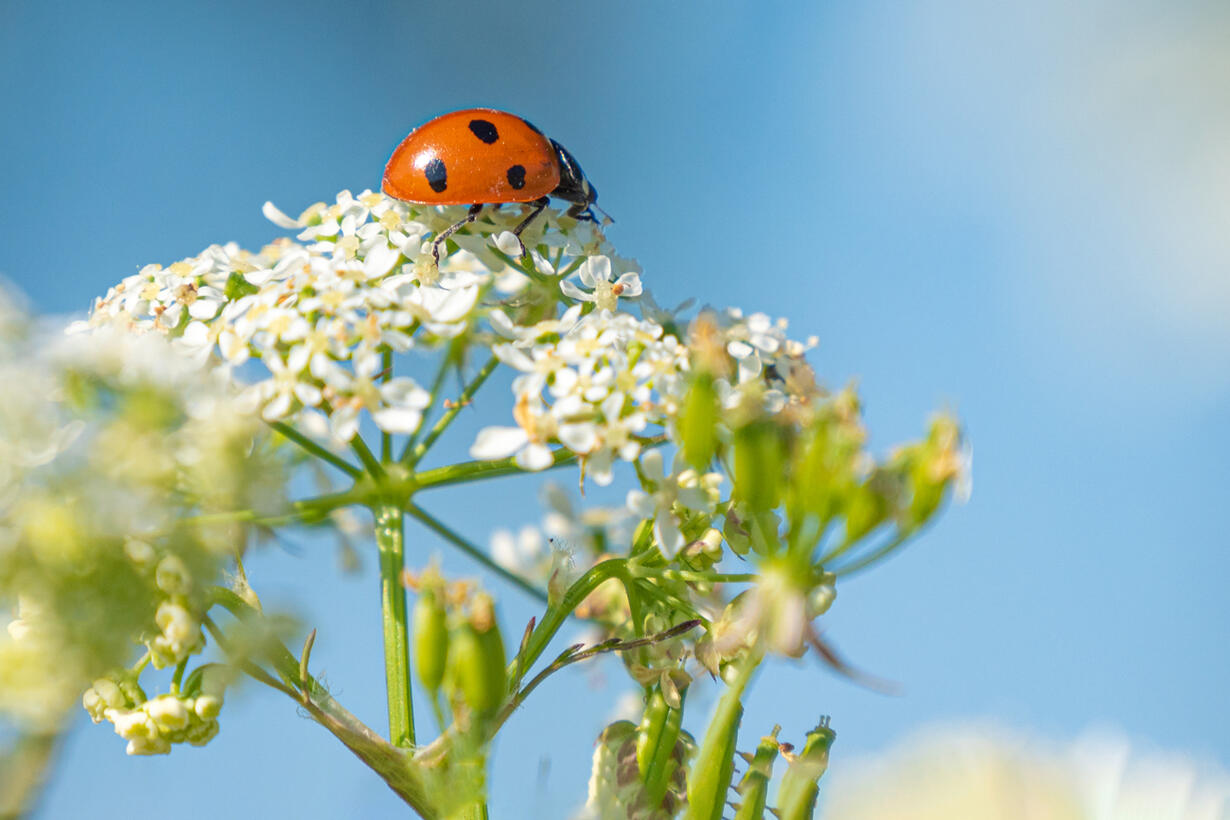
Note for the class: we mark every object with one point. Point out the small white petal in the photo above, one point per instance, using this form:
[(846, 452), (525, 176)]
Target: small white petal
[(397, 419), (274, 215), (507, 242), (573, 292), (498, 442), (535, 457), (651, 464), (579, 438)]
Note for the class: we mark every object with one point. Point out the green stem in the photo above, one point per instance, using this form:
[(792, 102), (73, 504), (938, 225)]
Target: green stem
[(468, 471), (557, 614), (396, 766), (390, 543), (374, 467), (386, 440), (446, 361), (316, 449), (868, 560), (413, 456), (473, 551), (714, 764)]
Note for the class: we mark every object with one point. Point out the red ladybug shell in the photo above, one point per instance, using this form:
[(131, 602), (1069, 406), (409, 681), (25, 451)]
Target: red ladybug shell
[(478, 155)]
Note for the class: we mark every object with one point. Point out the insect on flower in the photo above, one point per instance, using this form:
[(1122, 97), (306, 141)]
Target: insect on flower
[(481, 156)]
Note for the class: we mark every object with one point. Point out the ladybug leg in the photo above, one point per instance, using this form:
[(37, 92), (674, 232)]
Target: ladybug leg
[(539, 205), (452, 229)]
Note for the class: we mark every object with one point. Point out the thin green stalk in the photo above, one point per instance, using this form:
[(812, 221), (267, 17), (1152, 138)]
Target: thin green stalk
[(396, 766), (316, 449), (374, 467), (437, 383), (412, 457), (714, 764), (873, 557), (386, 440), (473, 551), (390, 543), (468, 471), (558, 613)]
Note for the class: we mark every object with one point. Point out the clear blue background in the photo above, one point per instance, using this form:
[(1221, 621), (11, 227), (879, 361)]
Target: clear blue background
[(1019, 214)]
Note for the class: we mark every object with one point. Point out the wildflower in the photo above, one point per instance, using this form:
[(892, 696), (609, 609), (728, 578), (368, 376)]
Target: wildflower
[(604, 291)]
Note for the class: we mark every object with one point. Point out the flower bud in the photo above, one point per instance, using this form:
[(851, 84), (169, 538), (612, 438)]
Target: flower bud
[(199, 734), (168, 712), (172, 576), (430, 638), (207, 707), (477, 660)]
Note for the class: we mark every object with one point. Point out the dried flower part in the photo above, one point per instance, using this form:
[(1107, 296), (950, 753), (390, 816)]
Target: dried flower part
[(616, 789)]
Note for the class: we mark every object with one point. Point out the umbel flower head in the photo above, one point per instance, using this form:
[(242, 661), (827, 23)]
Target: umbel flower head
[(110, 447), (322, 313)]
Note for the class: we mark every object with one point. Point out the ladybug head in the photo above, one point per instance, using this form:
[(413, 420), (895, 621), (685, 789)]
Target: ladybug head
[(573, 186)]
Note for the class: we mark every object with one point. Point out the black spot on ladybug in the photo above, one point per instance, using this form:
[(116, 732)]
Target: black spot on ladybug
[(533, 128), (516, 176), (484, 130), (437, 175)]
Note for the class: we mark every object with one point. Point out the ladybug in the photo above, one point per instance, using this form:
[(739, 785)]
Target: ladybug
[(481, 156)]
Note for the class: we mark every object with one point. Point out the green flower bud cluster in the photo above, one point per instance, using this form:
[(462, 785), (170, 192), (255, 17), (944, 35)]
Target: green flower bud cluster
[(152, 726), (458, 647)]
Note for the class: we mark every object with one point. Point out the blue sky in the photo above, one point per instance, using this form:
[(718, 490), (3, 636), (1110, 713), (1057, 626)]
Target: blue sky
[(1015, 213)]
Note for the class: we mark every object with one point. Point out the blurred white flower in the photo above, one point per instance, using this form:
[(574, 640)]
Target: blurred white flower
[(684, 487), (988, 773)]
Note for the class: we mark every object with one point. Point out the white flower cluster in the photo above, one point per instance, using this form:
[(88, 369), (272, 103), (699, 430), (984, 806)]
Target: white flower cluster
[(320, 313), (111, 442), (595, 383), (152, 726), (768, 363)]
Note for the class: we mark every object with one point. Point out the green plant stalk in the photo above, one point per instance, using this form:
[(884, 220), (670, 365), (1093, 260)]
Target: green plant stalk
[(657, 736), (796, 799), (556, 615), (412, 456), (713, 767), (754, 787), (396, 766), (390, 544), (315, 449)]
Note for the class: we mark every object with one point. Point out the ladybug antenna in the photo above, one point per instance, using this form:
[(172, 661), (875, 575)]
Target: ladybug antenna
[(607, 219)]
